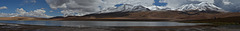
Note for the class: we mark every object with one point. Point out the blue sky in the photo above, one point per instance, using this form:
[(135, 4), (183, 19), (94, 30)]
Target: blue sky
[(157, 3), (30, 5)]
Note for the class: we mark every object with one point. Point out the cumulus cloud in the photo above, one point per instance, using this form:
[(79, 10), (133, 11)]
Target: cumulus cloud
[(3, 7), (177, 3), (230, 5), (22, 13), (83, 7), (76, 7)]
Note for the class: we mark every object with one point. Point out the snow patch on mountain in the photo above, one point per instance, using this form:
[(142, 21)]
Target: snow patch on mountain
[(124, 8), (157, 8), (201, 7)]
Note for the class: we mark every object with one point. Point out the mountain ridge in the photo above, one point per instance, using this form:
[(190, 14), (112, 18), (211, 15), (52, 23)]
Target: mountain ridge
[(139, 16), (155, 15)]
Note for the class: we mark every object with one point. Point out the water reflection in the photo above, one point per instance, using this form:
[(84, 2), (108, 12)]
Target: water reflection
[(100, 23)]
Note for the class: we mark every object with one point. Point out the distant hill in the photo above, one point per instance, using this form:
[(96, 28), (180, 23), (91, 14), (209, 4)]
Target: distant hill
[(153, 15), (164, 15), (21, 18)]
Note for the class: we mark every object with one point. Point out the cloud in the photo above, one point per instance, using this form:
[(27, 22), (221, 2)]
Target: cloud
[(230, 5), (177, 3), (75, 6), (30, 1), (83, 7), (50, 11), (22, 13), (3, 7), (42, 8)]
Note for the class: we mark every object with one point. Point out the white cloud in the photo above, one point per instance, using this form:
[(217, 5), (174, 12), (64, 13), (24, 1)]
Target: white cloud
[(30, 1), (75, 6), (50, 11), (83, 7), (22, 13), (230, 5), (3, 7), (177, 3), (42, 8), (226, 2)]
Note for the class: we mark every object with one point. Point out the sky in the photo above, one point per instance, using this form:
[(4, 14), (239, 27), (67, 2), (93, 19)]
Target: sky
[(10, 6), (28, 5)]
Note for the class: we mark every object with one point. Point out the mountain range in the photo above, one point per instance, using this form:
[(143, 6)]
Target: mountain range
[(140, 13), (139, 16)]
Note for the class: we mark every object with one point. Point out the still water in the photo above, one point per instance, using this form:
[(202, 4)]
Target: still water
[(101, 23)]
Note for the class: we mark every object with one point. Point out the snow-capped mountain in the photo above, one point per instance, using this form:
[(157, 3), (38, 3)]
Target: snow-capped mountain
[(156, 8), (204, 6), (109, 5), (201, 7), (124, 8)]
